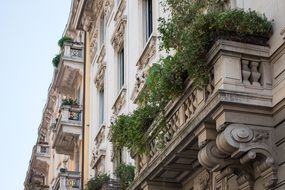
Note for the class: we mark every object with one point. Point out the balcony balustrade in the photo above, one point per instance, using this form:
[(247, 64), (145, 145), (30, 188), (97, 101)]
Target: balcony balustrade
[(68, 130), (70, 69), (240, 81), (67, 180)]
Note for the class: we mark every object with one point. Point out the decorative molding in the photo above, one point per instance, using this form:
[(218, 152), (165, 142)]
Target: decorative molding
[(88, 21), (108, 7), (120, 101), (203, 180), (148, 52), (143, 66), (93, 42), (100, 144), (117, 39), (101, 55), (99, 78), (245, 146), (120, 10)]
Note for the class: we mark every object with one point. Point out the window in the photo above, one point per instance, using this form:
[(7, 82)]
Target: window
[(101, 106), (147, 18), (121, 68), (102, 30), (43, 149)]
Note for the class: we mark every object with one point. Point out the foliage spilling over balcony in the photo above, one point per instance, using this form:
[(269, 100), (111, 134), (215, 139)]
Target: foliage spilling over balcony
[(189, 32), (63, 40), (126, 174), (69, 102), (97, 182), (56, 60)]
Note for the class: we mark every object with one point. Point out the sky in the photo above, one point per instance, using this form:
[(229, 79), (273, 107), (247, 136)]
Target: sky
[(29, 31)]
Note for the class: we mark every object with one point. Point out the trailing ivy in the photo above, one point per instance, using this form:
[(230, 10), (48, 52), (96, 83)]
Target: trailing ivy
[(186, 35), (56, 60), (127, 130), (126, 174), (63, 40)]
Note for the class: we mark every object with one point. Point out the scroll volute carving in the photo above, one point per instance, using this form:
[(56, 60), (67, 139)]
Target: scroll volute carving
[(238, 147), (118, 36)]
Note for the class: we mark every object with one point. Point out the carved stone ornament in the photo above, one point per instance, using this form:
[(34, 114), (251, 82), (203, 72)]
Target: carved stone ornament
[(88, 21), (120, 11), (148, 52), (100, 145), (118, 36), (99, 78), (108, 7), (120, 101), (93, 42), (203, 180), (236, 148), (143, 65)]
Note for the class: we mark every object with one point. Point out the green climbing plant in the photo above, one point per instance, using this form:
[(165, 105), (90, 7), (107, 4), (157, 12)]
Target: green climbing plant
[(97, 182), (64, 39), (126, 174), (186, 35)]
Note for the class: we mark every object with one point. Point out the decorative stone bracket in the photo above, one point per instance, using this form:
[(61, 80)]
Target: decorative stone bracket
[(236, 149), (118, 36)]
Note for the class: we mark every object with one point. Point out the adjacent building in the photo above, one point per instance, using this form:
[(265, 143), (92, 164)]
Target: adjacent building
[(227, 136)]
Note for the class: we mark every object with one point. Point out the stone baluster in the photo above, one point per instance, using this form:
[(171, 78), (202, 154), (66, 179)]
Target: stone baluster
[(245, 72), (255, 74)]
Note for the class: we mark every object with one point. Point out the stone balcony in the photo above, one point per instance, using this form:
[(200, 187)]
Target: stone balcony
[(231, 113), (38, 168), (67, 180), (70, 69), (68, 130)]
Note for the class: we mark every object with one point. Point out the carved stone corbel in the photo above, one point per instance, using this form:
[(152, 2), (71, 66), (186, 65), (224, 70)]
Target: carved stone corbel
[(237, 147)]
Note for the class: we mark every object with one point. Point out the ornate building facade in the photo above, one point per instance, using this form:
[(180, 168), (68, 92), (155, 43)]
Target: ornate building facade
[(227, 136)]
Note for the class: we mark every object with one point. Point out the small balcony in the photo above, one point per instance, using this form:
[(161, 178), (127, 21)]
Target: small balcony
[(67, 180), (70, 68), (68, 130), (38, 168)]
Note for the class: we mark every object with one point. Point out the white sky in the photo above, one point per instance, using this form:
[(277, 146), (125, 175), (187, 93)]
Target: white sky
[(29, 31)]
